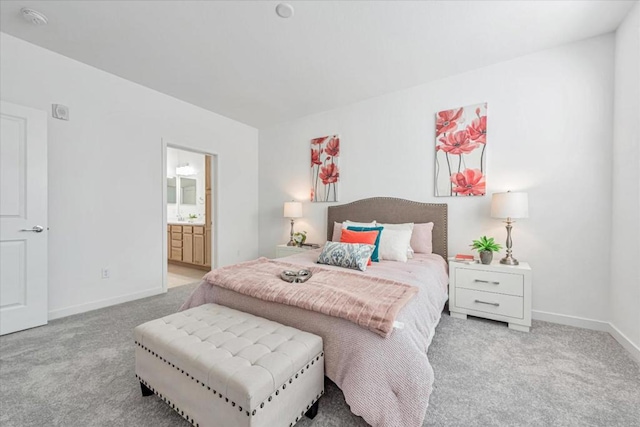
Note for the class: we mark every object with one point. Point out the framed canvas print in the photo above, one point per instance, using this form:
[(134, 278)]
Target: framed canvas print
[(461, 141), (325, 172)]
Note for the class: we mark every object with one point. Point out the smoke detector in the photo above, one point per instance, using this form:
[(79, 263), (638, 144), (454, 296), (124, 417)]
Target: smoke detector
[(34, 17), (284, 10)]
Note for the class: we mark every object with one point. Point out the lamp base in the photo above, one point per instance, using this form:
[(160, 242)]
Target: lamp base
[(509, 260)]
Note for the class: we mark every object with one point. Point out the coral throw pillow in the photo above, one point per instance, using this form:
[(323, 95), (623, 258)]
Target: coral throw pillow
[(365, 237), (375, 257)]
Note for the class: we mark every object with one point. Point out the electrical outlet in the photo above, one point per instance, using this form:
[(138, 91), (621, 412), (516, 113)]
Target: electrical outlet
[(106, 273)]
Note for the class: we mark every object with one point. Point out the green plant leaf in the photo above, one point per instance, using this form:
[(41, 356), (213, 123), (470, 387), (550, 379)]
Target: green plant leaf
[(485, 244)]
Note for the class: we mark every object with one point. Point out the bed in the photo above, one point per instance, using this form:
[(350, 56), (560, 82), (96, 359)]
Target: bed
[(386, 381)]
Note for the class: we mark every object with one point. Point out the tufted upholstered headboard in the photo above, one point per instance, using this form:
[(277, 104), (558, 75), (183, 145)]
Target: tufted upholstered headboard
[(394, 210)]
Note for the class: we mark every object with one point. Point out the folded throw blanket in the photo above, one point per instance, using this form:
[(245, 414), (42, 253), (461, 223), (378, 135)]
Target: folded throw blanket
[(370, 302)]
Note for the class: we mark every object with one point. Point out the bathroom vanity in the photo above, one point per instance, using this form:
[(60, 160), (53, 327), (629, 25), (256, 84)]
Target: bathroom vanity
[(189, 244)]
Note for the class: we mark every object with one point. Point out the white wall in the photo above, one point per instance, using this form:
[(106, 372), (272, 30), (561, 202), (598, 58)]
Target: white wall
[(625, 243), (105, 175), (175, 158), (549, 119)]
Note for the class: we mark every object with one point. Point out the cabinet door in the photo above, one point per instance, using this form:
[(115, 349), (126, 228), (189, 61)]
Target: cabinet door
[(176, 254), (187, 248), (198, 249)]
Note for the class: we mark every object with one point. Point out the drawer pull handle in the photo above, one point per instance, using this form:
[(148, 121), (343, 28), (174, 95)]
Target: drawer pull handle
[(495, 304), (487, 281)]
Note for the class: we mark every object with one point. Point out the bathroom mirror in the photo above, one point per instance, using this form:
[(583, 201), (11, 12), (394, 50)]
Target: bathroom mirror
[(171, 190), (187, 191)]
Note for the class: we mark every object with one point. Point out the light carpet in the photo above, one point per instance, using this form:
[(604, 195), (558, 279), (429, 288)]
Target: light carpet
[(79, 371)]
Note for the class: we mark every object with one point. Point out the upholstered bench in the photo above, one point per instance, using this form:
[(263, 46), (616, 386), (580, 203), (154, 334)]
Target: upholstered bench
[(221, 367)]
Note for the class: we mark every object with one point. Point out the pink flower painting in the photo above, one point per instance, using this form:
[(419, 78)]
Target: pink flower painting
[(461, 142), (469, 182), (325, 172)]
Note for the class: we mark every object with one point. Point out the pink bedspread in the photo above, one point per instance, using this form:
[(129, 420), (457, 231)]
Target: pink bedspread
[(386, 381), (372, 303)]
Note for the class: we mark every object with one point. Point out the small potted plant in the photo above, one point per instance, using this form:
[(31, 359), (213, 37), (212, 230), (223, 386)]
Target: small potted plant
[(486, 247), (300, 237), (192, 217)]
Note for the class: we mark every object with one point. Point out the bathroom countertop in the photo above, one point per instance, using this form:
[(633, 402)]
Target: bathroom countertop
[(185, 223)]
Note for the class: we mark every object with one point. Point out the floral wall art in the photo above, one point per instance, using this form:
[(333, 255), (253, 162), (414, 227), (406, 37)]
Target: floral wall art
[(461, 141), (325, 173)]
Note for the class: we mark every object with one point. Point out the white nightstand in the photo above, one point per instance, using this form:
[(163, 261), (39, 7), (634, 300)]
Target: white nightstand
[(495, 291), (284, 250)]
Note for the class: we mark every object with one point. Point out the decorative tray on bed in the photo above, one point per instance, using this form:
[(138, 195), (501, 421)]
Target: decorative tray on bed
[(300, 276)]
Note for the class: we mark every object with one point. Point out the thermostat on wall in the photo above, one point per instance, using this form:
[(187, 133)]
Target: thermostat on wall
[(59, 111)]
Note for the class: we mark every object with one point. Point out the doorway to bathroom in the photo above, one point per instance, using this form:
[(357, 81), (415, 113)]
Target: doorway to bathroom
[(189, 214)]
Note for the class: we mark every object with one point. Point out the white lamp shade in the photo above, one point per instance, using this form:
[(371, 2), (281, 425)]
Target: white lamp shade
[(510, 205), (292, 210)]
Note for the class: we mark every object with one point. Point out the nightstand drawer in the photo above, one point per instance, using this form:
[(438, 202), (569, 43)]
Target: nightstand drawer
[(490, 281), (487, 302)]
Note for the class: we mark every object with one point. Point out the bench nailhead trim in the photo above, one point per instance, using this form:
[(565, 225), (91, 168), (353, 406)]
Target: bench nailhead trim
[(277, 393)]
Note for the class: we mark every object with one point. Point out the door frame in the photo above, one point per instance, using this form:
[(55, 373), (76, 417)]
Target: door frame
[(214, 209)]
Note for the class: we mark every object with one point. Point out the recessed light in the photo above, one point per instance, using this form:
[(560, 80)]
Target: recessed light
[(284, 10), (33, 16)]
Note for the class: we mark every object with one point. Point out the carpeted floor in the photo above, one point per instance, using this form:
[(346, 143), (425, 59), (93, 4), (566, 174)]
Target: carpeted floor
[(79, 371)]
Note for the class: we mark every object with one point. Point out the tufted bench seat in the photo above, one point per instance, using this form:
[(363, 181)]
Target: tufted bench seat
[(217, 366)]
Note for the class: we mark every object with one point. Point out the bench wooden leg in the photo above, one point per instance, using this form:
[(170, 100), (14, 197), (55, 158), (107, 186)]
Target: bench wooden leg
[(145, 390), (313, 411)]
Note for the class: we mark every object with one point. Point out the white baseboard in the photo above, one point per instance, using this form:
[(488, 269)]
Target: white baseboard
[(625, 342), (563, 319), (94, 305), (596, 325)]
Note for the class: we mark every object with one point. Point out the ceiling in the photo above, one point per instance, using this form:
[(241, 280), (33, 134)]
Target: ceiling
[(239, 59)]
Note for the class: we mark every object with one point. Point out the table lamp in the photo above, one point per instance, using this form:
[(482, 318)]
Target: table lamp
[(509, 206), (292, 210)]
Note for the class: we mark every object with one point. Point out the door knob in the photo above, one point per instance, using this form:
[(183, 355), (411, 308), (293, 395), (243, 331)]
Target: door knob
[(35, 229)]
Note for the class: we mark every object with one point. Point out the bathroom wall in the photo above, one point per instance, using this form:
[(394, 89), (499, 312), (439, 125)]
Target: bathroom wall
[(175, 158)]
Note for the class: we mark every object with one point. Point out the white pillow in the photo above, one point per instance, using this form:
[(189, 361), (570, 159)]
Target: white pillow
[(348, 223), (410, 253), (389, 241), (394, 244), (406, 226)]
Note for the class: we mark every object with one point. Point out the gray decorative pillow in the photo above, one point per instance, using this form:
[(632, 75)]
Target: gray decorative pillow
[(347, 255)]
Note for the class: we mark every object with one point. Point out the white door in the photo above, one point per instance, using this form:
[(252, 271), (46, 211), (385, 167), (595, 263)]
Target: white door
[(23, 218)]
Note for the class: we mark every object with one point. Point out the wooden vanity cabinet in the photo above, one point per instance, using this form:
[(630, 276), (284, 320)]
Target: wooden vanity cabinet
[(187, 245)]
